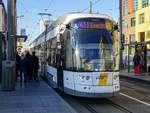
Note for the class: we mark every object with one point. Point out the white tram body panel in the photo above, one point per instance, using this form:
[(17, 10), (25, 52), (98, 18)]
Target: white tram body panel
[(91, 84)]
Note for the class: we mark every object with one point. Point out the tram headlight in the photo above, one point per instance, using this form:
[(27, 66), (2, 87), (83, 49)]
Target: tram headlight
[(79, 76), (83, 77)]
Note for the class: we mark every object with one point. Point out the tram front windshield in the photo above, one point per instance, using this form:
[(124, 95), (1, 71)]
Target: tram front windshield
[(92, 50)]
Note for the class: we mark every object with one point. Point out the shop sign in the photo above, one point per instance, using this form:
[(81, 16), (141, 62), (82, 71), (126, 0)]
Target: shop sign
[(148, 34), (20, 43)]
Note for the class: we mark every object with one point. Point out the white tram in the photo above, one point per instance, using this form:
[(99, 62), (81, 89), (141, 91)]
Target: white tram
[(82, 55)]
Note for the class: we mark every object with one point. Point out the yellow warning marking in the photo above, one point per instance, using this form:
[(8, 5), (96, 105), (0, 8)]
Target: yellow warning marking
[(20, 43), (103, 79), (42, 45), (89, 66)]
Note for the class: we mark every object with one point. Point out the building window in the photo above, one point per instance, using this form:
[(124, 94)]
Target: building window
[(135, 5), (125, 7), (141, 18), (132, 38), (142, 36), (133, 22), (123, 23), (144, 3)]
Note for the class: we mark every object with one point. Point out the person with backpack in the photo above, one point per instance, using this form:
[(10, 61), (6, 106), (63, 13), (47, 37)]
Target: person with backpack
[(136, 60)]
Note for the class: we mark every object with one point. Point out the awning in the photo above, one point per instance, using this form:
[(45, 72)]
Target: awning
[(137, 43)]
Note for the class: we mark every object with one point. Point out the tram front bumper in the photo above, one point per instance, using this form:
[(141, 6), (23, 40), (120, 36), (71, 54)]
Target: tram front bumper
[(93, 91)]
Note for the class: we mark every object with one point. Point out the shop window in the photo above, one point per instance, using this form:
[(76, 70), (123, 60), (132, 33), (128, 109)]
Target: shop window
[(142, 36)]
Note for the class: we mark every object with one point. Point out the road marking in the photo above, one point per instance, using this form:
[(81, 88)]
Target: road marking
[(135, 99)]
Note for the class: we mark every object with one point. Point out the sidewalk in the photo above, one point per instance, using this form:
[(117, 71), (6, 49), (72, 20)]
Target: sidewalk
[(142, 77), (33, 97)]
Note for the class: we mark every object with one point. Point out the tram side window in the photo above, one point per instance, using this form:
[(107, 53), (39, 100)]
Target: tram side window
[(69, 51), (51, 52), (48, 52)]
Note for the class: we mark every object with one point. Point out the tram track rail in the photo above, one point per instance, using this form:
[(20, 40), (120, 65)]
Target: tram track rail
[(109, 102), (121, 108), (92, 110), (89, 105)]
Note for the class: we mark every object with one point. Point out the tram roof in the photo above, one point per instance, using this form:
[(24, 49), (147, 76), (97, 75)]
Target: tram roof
[(66, 18)]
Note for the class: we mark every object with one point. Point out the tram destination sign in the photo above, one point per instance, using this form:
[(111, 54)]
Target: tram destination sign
[(89, 23)]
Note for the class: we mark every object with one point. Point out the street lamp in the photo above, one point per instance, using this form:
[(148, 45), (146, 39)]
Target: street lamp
[(45, 45), (45, 14), (20, 16)]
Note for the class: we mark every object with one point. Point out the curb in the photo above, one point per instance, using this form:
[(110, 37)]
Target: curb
[(135, 79), (70, 108)]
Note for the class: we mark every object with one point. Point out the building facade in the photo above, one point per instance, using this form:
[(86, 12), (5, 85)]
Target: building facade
[(143, 21), (136, 31)]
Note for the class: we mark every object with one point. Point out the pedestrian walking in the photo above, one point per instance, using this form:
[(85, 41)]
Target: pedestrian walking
[(22, 70), (27, 66), (35, 64), (18, 59), (136, 60)]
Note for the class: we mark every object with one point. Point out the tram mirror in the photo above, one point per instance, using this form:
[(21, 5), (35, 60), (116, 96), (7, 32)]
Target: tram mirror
[(68, 26)]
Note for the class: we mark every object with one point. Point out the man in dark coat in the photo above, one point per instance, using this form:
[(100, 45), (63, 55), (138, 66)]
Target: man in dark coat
[(27, 66), (18, 72), (35, 64)]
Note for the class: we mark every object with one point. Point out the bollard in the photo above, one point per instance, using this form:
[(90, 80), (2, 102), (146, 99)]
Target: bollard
[(8, 75)]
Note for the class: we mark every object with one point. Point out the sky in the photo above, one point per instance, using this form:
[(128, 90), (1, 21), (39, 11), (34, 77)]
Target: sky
[(31, 8)]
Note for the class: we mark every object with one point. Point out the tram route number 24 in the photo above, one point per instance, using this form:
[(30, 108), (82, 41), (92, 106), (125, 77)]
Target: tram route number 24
[(103, 79)]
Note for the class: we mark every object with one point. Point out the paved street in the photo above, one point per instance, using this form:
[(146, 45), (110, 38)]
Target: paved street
[(32, 97)]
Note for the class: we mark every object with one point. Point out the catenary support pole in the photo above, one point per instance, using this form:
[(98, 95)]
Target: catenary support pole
[(121, 56), (8, 66), (0, 56), (11, 34), (45, 49)]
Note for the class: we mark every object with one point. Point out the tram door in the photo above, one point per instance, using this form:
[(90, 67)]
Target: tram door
[(59, 73), (142, 51)]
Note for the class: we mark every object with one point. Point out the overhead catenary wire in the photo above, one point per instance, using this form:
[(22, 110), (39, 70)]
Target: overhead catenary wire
[(93, 5), (50, 3), (26, 10)]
